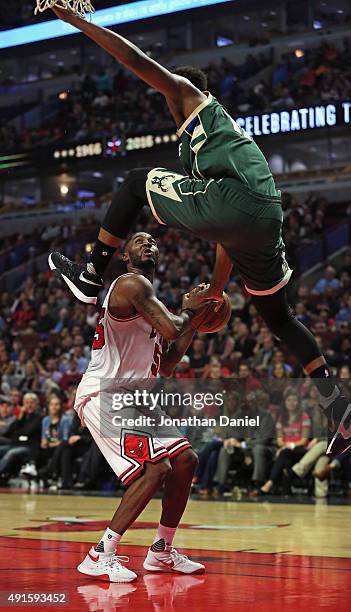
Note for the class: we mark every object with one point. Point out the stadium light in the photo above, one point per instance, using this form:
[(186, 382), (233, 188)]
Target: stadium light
[(299, 53), (115, 15)]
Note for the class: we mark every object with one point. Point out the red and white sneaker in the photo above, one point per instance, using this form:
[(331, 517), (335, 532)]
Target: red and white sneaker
[(170, 560), (106, 566)]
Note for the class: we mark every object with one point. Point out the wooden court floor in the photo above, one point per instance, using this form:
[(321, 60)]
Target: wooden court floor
[(262, 555)]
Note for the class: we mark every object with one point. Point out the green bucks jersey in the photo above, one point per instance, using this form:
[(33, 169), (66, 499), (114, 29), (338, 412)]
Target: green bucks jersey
[(228, 196), (213, 146)]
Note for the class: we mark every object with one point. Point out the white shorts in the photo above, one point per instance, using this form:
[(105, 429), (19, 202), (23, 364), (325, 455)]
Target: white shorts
[(129, 449)]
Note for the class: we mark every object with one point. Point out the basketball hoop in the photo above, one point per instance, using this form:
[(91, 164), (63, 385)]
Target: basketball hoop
[(78, 7)]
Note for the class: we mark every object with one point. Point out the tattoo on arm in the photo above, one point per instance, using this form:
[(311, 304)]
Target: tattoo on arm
[(140, 293), (146, 309)]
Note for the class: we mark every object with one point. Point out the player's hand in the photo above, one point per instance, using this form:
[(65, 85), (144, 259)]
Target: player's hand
[(190, 299), (206, 293), (212, 293)]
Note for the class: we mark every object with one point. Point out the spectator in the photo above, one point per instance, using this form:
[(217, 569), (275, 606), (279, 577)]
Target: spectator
[(103, 81), (24, 313), (92, 463), (208, 457), (248, 382), (247, 446), (198, 357), (6, 418), (302, 314), (244, 344), (81, 361), (264, 354), (329, 281), (30, 381), (214, 370), (44, 322), (23, 438), (221, 344), (293, 432), (183, 369), (79, 441), (344, 314), (278, 358), (315, 458), (236, 297), (277, 384), (54, 431), (71, 376), (16, 401)]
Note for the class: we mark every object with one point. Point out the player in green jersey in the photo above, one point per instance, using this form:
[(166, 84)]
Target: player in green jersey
[(227, 195)]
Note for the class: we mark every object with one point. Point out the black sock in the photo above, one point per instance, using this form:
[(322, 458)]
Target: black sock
[(126, 204), (101, 256), (326, 385)]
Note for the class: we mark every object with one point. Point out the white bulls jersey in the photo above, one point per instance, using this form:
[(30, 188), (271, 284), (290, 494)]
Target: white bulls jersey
[(123, 349)]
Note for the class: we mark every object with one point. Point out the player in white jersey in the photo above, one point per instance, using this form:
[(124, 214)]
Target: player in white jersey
[(129, 345)]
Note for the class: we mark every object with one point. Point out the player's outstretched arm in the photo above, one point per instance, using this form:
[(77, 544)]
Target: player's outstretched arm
[(220, 276), (221, 272), (138, 293), (175, 88)]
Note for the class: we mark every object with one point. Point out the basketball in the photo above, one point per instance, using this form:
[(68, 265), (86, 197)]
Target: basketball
[(208, 321)]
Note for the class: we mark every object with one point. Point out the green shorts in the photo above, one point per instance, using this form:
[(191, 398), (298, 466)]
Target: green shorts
[(247, 224)]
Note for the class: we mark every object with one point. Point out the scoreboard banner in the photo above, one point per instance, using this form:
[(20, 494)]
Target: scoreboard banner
[(297, 119), (45, 157)]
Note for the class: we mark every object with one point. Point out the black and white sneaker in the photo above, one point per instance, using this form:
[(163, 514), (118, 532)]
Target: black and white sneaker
[(83, 284), (339, 426)]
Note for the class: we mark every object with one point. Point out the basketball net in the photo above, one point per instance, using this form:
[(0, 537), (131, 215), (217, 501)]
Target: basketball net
[(78, 7)]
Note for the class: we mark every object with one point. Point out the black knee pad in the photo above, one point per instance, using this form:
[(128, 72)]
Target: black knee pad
[(275, 310), (278, 322)]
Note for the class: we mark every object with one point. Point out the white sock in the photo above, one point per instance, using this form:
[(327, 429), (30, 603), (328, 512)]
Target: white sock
[(108, 542), (163, 534)]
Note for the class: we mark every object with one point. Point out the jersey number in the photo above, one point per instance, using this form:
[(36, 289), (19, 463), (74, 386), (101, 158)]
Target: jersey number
[(99, 336), (156, 360)]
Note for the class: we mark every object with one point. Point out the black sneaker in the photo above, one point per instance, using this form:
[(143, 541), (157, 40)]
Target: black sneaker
[(339, 426), (83, 284)]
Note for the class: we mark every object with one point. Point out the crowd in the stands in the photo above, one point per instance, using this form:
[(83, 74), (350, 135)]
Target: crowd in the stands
[(109, 102), (45, 339), (305, 220)]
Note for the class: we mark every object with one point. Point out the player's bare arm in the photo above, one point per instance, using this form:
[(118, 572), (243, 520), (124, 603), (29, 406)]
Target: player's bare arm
[(182, 97), (135, 294), (220, 277), (221, 271), (175, 351)]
